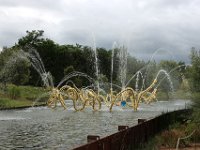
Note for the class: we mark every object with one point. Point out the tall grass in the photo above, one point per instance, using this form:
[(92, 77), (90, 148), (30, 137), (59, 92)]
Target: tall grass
[(20, 96)]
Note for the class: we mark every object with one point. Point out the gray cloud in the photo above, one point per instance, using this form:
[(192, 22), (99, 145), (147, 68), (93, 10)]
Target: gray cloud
[(143, 25)]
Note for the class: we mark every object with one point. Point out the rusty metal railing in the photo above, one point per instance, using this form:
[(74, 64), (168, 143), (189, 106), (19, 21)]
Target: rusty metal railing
[(134, 137)]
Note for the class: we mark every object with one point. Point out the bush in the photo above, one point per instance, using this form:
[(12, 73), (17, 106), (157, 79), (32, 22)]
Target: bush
[(14, 92), (170, 137)]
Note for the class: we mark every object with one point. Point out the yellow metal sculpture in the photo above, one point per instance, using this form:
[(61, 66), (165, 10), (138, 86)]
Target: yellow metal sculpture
[(149, 97), (132, 98), (56, 97), (80, 97), (87, 97)]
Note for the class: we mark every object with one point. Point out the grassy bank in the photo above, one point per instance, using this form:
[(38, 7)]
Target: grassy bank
[(178, 94), (188, 129), (20, 96), (188, 132)]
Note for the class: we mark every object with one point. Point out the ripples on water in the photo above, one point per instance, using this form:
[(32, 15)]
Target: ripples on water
[(44, 128)]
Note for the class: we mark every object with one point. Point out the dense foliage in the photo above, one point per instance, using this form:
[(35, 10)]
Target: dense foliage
[(63, 59)]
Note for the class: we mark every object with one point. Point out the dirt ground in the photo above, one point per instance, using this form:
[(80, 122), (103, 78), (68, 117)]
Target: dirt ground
[(195, 146)]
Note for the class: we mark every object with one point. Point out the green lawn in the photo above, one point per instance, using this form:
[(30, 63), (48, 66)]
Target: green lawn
[(11, 103), (21, 96)]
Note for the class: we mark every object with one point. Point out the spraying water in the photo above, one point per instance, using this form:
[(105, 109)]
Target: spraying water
[(138, 74), (160, 50), (123, 54), (112, 64), (75, 74), (34, 58), (8, 70), (152, 58), (38, 65), (168, 78), (96, 64), (147, 68)]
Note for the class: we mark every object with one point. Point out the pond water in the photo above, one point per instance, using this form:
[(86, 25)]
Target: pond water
[(44, 128)]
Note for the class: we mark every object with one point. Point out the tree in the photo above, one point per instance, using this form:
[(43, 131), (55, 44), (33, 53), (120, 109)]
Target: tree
[(150, 72), (46, 49), (104, 57), (33, 38), (195, 70), (88, 58), (20, 73), (68, 70), (133, 66), (15, 69)]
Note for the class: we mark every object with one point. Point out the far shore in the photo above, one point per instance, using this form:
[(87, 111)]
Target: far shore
[(21, 107)]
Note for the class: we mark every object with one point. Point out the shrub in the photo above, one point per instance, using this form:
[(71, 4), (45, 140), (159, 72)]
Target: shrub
[(169, 138), (14, 92)]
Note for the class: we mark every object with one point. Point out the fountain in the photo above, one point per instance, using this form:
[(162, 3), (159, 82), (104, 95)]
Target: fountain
[(126, 97), (123, 54), (30, 128), (96, 64), (112, 65), (91, 95)]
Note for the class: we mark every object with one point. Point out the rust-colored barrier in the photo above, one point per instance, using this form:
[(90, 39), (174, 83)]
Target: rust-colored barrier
[(122, 128), (135, 137), (91, 138)]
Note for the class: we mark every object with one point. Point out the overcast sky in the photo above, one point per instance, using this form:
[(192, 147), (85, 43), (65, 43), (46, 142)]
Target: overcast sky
[(171, 27)]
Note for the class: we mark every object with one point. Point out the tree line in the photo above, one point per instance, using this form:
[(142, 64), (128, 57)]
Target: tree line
[(60, 60)]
